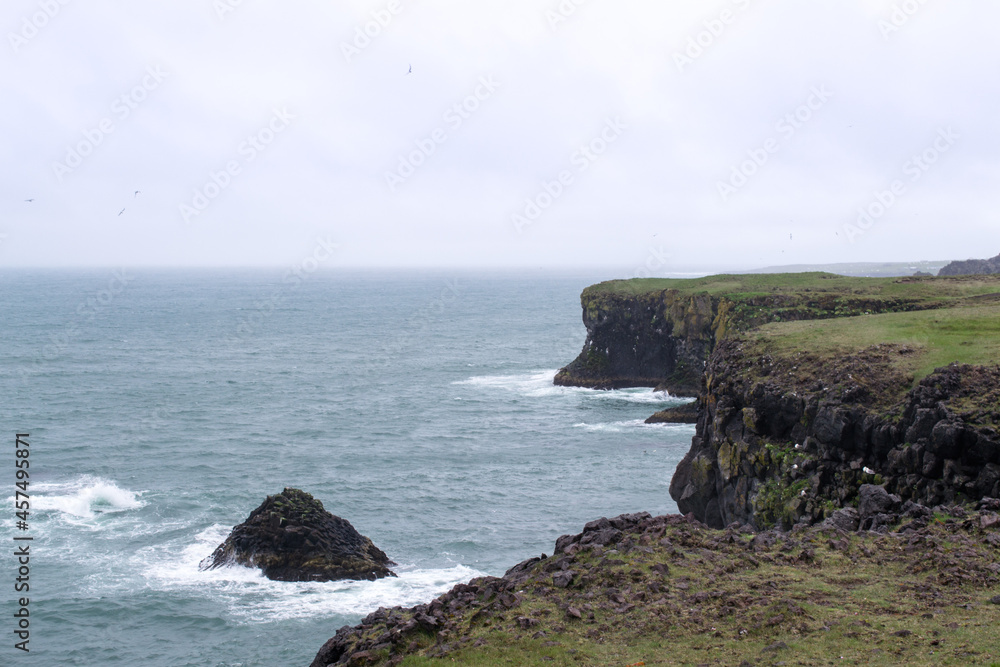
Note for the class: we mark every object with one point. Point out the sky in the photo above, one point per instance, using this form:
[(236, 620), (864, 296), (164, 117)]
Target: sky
[(645, 137)]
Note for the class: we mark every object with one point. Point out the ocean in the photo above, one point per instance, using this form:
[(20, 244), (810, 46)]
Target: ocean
[(164, 406)]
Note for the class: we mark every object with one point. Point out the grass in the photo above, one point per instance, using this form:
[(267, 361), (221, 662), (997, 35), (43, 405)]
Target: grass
[(929, 289), (935, 338), (691, 596)]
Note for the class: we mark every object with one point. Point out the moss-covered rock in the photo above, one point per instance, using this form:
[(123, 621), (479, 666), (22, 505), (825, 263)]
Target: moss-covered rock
[(291, 537)]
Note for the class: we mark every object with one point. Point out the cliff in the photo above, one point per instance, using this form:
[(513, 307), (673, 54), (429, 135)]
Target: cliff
[(771, 451), (971, 267), (661, 332), (807, 381)]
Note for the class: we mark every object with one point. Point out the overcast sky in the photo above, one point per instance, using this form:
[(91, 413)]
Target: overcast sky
[(678, 135)]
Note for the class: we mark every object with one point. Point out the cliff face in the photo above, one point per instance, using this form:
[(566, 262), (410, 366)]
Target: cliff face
[(776, 445), (648, 340), (663, 337)]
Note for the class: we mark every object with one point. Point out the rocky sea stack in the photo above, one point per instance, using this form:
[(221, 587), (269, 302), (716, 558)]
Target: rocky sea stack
[(291, 537)]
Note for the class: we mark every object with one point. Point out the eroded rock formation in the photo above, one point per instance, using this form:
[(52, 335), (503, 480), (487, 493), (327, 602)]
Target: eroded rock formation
[(291, 537)]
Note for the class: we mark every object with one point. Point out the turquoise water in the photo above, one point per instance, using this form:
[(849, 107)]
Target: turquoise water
[(164, 406)]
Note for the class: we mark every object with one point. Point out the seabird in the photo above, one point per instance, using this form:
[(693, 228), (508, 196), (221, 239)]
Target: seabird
[(29, 200), (411, 70), (121, 211), (137, 193)]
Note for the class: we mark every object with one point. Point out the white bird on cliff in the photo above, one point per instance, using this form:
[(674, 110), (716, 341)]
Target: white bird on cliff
[(868, 471)]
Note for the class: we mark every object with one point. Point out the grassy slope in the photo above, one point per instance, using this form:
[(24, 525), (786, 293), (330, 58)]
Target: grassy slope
[(687, 595), (969, 335)]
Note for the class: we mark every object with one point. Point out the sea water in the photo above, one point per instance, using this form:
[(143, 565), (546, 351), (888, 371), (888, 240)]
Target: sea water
[(163, 406)]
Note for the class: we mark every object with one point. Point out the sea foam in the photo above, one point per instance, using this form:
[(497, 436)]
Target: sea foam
[(540, 383), (249, 597), (85, 497)]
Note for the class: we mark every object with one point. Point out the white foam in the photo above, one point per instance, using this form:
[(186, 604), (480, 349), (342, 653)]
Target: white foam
[(540, 383), (632, 424), (85, 498), (250, 597)]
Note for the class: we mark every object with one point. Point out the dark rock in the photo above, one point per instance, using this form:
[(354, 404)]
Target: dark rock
[(682, 414), (873, 499), (971, 267), (844, 519), (291, 537), (563, 579)]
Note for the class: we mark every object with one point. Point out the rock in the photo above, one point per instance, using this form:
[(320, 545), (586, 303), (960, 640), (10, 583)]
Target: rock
[(876, 500), (776, 646), (682, 414), (563, 579), (291, 537), (995, 600), (845, 519), (971, 267)]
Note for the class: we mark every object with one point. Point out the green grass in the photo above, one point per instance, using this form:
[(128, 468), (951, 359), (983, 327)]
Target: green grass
[(811, 598), (735, 286), (969, 335)]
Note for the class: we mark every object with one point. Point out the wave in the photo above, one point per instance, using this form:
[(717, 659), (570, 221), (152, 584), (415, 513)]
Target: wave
[(85, 498), (539, 384), (250, 597), (632, 424)]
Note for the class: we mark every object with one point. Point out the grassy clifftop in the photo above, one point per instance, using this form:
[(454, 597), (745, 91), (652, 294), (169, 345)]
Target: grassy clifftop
[(812, 320)]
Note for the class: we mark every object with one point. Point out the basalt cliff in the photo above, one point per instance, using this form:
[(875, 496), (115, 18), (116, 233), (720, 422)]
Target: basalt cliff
[(660, 333), (846, 462), (809, 386)]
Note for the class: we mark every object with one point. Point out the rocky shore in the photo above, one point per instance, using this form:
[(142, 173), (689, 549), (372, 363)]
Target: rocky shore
[(839, 500), (924, 588)]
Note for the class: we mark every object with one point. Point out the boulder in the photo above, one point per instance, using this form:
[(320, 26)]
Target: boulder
[(291, 537), (874, 500)]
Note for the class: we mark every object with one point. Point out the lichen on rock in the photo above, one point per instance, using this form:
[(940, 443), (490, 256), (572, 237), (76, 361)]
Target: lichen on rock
[(291, 537)]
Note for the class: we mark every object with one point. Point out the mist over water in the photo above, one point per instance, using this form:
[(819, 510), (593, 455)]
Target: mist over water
[(420, 407)]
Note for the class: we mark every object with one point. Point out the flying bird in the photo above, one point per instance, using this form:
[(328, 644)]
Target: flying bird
[(137, 193), (121, 211), (411, 70), (29, 200)]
